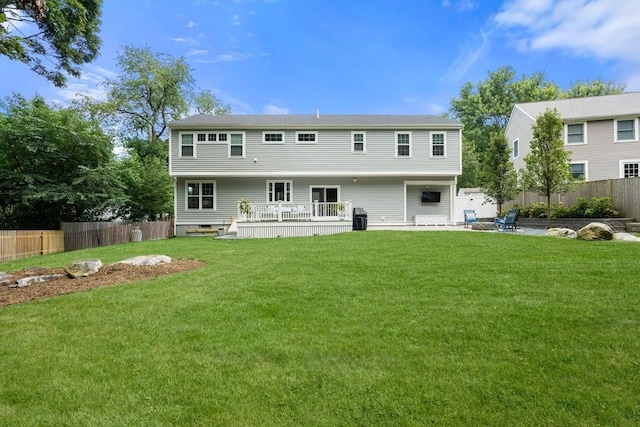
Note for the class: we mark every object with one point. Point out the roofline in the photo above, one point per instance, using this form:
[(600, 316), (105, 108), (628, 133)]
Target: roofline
[(302, 174), (238, 126)]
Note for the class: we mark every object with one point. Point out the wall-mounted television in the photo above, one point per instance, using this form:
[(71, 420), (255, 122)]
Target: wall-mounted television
[(430, 197)]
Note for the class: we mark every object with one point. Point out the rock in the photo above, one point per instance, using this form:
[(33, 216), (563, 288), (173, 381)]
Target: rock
[(595, 231), (27, 281), (626, 236), (562, 232), (84, 268), (482, 226), (4, 278), (146, 260)]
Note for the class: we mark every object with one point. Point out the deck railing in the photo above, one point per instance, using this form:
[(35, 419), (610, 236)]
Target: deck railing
[(281, 211)]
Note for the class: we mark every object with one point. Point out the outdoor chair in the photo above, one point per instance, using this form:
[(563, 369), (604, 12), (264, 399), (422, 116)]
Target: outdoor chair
[(509, 222), (469, 217)]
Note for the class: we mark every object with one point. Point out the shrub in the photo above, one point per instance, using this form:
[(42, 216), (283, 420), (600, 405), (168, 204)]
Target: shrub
[(597, 207)]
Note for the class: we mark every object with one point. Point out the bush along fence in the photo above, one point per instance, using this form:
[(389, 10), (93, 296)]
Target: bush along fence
[(83, 235), (16, 244)]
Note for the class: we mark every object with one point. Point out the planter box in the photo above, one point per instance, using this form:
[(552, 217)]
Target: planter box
[(617, 224)]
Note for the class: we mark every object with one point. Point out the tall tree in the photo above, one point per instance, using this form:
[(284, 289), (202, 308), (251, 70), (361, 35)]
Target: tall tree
[(207, 103), (582, 89), (55, 165), (64, 34), (547, 170), (499, 179)]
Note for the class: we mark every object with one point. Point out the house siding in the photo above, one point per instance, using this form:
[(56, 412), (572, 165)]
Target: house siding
[(331, 154)]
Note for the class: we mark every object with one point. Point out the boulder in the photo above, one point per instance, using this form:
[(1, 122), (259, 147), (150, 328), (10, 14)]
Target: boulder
[(562, 232), (482, 226), (626, 236), (595, 231), (27, 281), (146, 260), (83, 268)]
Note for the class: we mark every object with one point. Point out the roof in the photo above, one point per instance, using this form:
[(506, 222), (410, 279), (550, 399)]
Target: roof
[(607, 106), (313, 121)]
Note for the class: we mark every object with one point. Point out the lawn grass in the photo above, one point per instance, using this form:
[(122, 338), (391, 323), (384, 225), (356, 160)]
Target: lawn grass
[(367, 328)]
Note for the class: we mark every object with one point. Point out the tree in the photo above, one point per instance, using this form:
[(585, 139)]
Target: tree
[(55, 165), (547, 170), (499, 179), (207, 103), (470, 165), (65, 34), (581, 89)]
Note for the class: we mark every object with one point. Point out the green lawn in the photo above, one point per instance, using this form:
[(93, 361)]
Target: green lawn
[(367, 328)]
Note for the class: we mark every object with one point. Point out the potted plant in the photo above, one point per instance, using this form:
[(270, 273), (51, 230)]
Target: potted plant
[(340, 210), (245, 207)]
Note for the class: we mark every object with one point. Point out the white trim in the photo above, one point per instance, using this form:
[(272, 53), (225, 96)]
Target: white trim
[(305, 132), (395, 145), (193, 135), (364, 141), (513, 148), (635, 129), (244, 145), (275, 181), (584, 133), (444, 145), (272, 132), (302, 174), (199, 182), (627, 161), (337, 187), (586, 167)]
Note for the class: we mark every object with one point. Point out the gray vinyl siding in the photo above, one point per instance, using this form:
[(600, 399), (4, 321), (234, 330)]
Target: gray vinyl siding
[(416, 207), (332, 153), (519, 128)]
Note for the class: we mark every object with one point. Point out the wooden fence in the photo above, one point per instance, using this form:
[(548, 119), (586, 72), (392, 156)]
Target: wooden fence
[(16, 244), (625, 193), (82, 235)]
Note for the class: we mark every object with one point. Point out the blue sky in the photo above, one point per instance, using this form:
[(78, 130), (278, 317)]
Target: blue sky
[(350, 57)]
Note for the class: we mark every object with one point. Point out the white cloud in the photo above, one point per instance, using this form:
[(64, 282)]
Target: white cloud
[(273, 109), (232, 57), (588, 28), (88, 84), (460, 5), (236, 20), (192, 24), (178, 39), (469, 54), (198, 52)]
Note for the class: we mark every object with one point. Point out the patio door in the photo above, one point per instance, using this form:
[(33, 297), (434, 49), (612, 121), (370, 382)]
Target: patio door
[(324, 195)]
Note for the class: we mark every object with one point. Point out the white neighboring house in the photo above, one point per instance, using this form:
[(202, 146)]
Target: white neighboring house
[(305, 167), (601, 132)]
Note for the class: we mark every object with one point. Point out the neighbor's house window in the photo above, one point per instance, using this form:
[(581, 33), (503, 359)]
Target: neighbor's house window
[(236, 145), (437, 145), (516, 149), (306, 137), (187, 148), (358, 142), (201, 194), (273, 137), (630, 168), (576, 133), (579, 170), (403, 144), (279, 191), (626, 130)]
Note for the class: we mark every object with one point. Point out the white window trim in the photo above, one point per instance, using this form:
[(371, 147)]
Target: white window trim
[(624, 162), (584, 133), (305, 132), (364, 142), (516, 142), (635, 130), (244, 145), (444, 145), (200, 182), (586, 167), (265, 132), (195, 144), (395, 145), (269, 181), (311, 187)]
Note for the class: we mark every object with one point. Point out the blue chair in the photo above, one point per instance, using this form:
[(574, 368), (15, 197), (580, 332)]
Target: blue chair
[(509, 222), (469, 217)]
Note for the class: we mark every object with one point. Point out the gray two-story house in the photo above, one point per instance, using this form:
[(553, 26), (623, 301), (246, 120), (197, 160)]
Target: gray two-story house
[(601, 132), (401, 169)]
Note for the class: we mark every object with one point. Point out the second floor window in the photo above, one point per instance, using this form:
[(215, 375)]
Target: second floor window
[(236, 145), (306, 137), (272, 137), (357, 142), (186, 145), (516, 149), (576, 134), (437, 145), (626, 130), (403, 144)]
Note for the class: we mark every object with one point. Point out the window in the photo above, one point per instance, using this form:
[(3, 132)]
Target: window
[(201, 195), (579, 170), (437, 145), (186, 145), (630, 168), (358, 141), (516, 149), (212, 137), (202, 137), (403, 144), (626, 130), (279, 191), (236, 145), (306, 137), (273, 137), (576, 133), (222, 137)]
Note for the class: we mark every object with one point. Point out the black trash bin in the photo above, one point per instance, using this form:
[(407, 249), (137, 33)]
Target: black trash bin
[(359, 219)]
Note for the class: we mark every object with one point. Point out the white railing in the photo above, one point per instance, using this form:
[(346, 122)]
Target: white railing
[(281, 211)]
